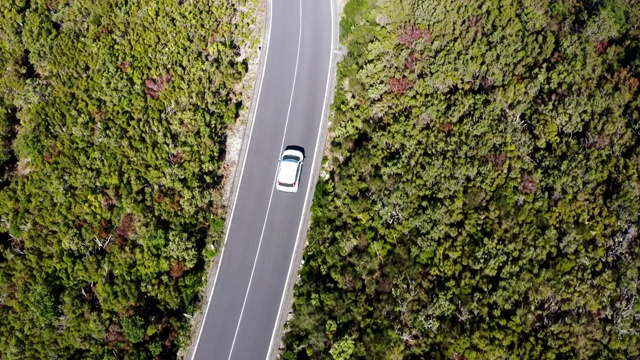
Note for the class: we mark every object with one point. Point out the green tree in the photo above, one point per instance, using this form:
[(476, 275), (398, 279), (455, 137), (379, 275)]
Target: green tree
[(112, 132), (480, 193)]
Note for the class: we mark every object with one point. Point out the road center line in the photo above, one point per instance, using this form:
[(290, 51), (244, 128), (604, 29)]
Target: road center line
[(267, 37), (264, 225), (306, 198)]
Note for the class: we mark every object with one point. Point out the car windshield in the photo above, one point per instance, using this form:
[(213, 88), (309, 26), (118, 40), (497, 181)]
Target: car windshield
[(290, 158)]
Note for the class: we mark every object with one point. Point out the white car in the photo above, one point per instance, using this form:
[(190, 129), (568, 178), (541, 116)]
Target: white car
[(289, 169)]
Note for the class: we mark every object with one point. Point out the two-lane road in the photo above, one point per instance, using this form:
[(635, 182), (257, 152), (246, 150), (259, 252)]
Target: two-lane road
[(256, 261)]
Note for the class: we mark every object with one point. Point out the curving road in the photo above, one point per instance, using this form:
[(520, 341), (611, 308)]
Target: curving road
[(243, 314)]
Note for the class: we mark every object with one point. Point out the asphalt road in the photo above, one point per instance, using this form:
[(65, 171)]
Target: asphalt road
[(248, 292)]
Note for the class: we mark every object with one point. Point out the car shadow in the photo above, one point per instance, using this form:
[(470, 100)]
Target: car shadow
[(296, 147)]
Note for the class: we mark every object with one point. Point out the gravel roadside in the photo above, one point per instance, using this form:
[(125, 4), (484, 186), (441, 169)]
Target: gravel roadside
[(236, 145)]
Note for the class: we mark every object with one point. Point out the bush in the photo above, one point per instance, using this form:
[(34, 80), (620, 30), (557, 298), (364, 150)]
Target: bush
[(112, 121), (483, 177)]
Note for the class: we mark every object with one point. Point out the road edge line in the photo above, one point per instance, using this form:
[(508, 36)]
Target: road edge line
[(266, 217), (278, 328), (253, 108)]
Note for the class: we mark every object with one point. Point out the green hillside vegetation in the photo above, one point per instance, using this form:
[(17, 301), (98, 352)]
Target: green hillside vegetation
[(112, 132), (481, 195)]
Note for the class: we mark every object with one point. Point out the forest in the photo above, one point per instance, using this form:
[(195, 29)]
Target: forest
[(480, 194), (113, 117)]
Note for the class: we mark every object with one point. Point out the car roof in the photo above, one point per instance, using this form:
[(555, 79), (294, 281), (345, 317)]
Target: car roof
[(288, 169)]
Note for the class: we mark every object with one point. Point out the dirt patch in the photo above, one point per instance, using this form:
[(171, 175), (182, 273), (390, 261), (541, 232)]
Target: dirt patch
[(249, 52), (233, 146), (22, 168), (341, 4)]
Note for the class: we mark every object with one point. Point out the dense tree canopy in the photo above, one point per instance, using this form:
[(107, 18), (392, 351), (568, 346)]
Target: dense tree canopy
[(481, 193), (112, 130)]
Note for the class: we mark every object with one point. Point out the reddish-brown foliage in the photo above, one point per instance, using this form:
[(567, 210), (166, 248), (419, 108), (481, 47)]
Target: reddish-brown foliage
[(487, 84), (160, 197), (601, 47), (169, 340), (177, 270), (54, 151), (475, 22), (624, 78), (497, 160), (99, 116), (175, 202), (171, 197), (446, 127), (103, 31), (124, 66), (529, 184), (599, 142), (154, 88), (411, 61), (126, 312), (400, 86), (176, 158), (105, 229), (123, 231), (559, 94), (556, 57), (9, 291), (114, 334), (457, 356), (409, 35)]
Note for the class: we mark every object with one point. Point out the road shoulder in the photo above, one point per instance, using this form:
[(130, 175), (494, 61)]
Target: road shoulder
[(236, 151), (286, 310)]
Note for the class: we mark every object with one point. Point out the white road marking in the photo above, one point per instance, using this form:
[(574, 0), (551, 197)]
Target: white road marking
[(306, 198), (235, 198), (264, 225)]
